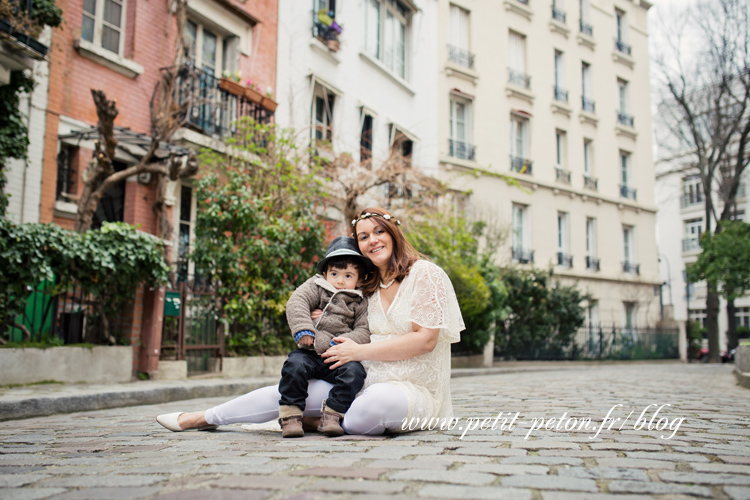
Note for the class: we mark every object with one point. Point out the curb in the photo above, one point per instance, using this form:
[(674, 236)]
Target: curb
[(743, 379)]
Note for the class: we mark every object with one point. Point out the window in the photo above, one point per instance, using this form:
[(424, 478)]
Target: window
[(626, 189), (365, 138), (623, 103), (323, 113), (698, 315), (386, 23), (742, 316), (587, 103), (563, 257), (459, 37), (692, 189), (592, 263), (629, 317), (586, 28), (517, 60), (628, 250), (588, 157), (401, 144), (560, 93), (560, 145), (621, 26), (460, 128), (103, 22), (184, 233), (521, 235), (693, 231), (67, 162), (111, 206), (519, 136), (592, 313)]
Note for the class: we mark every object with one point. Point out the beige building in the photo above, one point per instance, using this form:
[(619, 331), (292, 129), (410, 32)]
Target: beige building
[(557, 99)]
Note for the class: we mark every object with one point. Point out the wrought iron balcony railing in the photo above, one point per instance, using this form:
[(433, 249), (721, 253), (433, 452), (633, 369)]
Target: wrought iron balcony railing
[(520, 165), (621, 46), (588, 105), (562, 175), (561, 95), (691, 244), (460, 56), (590, 182), (625, 119), (564, 260), (631, 267), (522, 255), (518, 78), (586, 28), (462, 150), (216, 110), (627, 192), (558, 14), (691, 199), (592, 263)]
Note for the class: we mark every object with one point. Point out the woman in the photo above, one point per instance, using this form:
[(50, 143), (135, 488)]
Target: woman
[(414, 317)]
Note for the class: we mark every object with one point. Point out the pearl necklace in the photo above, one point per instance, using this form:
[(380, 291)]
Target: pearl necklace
[(389, 284)]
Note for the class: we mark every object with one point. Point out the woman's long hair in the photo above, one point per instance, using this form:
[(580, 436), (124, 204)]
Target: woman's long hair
[(402, 256)]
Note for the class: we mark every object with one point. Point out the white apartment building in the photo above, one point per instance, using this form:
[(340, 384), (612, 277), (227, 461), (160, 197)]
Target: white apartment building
[(680, 221), (367, 89), (556, 98)]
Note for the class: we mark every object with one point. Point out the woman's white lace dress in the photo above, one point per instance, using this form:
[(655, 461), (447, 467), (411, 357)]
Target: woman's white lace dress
[(425, 297)]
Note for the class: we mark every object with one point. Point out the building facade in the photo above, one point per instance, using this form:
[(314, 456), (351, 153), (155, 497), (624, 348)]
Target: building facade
[(556, 100)]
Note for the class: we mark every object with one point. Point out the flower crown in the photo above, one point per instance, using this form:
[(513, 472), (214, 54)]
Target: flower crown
[(368, 214)]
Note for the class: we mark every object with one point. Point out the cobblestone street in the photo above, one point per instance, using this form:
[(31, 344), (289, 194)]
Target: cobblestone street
[(123, 454)]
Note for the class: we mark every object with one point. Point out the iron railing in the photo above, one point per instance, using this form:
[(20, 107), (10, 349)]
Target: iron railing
[(20, 26), (520, 165), (623, 47), (561, 95), (590, 182), (525, 2), (522, 255), (462, 150), (691, 244), (519, 79), (691, 199), (216, 111), (460, 56), (631, 267), (562, 175), (627, 192), (592, 263), (625, 119), (558, 14), (586, 28), (564, 259), (588, 105)]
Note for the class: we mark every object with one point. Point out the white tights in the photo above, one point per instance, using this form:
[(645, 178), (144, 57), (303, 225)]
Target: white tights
[(378, 408)]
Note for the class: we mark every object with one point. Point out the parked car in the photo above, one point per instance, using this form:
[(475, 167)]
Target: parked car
[(726, 357)]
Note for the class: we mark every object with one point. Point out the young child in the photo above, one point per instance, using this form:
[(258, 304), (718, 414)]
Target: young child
[(344, 315)]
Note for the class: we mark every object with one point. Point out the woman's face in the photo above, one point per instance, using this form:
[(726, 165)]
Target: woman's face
[(375, 243)]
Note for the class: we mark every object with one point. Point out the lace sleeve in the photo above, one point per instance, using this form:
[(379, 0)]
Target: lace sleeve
[(433, 301)]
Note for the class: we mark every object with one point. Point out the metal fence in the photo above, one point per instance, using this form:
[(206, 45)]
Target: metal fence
[(594, 342), (64, 317)]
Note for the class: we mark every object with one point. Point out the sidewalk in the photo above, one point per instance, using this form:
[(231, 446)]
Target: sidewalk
[(49, 399)]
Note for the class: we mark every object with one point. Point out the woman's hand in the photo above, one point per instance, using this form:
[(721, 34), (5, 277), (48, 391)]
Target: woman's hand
[(340, 354), (316, 313)]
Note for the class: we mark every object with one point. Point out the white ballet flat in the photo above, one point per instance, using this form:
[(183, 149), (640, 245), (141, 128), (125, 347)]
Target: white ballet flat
[(169, 420)]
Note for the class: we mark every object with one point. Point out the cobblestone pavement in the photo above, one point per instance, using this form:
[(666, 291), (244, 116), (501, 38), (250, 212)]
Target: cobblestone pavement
[(123, 454)]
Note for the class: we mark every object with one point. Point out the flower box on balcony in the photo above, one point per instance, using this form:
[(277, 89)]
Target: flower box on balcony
[(232, 87), (269, 104)]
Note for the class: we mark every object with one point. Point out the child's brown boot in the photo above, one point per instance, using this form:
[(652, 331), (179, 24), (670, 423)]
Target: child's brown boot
[(330, 421), (290, 420)]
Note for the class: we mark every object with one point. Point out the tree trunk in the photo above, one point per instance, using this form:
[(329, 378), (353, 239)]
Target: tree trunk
[(712, 324), (732, 340)]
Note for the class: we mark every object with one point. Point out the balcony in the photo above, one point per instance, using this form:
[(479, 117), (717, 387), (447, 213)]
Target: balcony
[(558, 14), (519, 79), (520, 165), (522, 256), (460, 56), (326, 29), (586, 28), (562, 175), (20, 30), (627, 192), (461, 150), (622, 47), (625, 119), (592, 263), (691, 199), (217, 104), (591, 183), (631, 267), (561, 95), (588, 105), (564, 260), (691, 244)]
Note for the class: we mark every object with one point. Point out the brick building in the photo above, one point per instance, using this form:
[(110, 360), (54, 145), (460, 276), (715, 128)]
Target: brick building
[(119, 46)]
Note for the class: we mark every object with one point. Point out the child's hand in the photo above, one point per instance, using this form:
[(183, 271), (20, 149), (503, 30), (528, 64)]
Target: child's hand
[(306, 341)]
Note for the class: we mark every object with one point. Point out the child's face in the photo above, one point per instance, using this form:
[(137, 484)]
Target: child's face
[(343, 279)]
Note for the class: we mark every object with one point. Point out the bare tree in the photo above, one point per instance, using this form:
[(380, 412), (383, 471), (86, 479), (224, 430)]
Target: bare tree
[(170, 102), (703, 70)]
